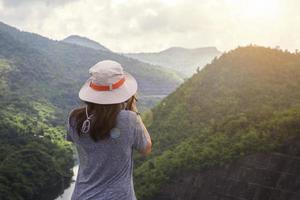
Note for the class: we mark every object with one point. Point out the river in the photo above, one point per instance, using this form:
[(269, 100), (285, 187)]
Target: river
[(68, 191)]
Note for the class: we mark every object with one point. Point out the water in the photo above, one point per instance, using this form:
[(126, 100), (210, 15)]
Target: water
[(68, 191)]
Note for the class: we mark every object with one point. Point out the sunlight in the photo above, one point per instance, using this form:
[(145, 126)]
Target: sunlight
[(169, 2), (261, 9)]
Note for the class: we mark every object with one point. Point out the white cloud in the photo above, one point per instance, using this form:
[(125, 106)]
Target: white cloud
[(152, 25)]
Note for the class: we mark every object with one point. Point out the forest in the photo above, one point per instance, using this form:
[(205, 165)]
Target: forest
[(244, 102)]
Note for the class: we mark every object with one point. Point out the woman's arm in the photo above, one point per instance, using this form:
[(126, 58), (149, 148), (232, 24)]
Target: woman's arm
[(148, 148), (131, 105)]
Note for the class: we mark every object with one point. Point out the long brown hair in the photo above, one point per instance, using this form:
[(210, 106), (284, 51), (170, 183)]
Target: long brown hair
[(103, 120), (104, 117)]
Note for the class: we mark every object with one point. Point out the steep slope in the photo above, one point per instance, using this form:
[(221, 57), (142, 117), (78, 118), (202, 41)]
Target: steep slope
[(245, 102), (31, 143), (85, 42), (272, 175), (185, 61)]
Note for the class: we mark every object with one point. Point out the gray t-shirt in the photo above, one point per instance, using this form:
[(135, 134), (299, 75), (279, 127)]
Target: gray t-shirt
[(105, 167)]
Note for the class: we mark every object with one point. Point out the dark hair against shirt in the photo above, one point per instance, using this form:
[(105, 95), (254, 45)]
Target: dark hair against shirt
[(103, 120)]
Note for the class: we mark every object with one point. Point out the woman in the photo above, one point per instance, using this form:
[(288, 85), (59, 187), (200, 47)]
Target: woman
[(105, 132)]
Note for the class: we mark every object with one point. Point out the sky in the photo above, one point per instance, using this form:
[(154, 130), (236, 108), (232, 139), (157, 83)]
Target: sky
[(154, 25)]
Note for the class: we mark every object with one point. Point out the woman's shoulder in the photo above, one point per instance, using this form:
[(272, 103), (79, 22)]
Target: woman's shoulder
[(72, 112), (127, 120), (72, 115), (127, 114)]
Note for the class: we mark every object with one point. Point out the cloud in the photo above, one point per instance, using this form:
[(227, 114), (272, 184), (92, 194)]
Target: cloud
[(17, 3), (152, 25)]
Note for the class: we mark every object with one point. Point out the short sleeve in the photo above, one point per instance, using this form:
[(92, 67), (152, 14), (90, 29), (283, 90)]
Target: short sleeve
[(68, 136), (139, 140)]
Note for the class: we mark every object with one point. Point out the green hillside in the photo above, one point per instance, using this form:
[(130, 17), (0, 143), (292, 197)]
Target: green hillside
[(246, 101), (49, 65), (32, 145)]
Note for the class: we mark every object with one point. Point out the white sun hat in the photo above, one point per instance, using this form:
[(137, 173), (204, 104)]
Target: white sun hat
[(108, 84)]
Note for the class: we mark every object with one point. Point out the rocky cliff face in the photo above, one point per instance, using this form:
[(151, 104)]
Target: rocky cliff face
[(264, 176)]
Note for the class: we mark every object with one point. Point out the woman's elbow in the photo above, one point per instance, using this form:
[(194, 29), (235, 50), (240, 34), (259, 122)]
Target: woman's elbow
[(148, 149)]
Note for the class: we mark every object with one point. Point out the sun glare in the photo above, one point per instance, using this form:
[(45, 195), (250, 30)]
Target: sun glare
[(169, 2), (261, 9)]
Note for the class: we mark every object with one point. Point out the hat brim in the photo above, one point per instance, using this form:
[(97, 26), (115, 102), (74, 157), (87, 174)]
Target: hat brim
[(119, 95)]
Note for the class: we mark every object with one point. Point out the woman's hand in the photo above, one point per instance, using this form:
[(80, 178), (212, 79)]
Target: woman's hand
[(131, 104)]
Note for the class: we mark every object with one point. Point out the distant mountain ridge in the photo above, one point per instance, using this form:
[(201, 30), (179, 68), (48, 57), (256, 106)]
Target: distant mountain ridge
[(86, 42), (192, 50), (185, 61), (66, 58)]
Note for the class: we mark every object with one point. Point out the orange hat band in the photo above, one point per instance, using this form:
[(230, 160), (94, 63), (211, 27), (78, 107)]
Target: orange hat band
[(107, 87)]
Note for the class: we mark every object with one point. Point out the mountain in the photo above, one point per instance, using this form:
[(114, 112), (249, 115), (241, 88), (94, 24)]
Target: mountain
[(85, 42), (66, 64), (39, 81), (185, 61), (241, 112)]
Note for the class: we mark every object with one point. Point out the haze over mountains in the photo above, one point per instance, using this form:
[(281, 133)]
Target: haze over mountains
[(73, 61), (185, 61)]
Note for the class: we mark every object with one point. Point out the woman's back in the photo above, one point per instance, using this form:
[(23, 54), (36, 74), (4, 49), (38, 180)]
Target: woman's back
[(106, 166)]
